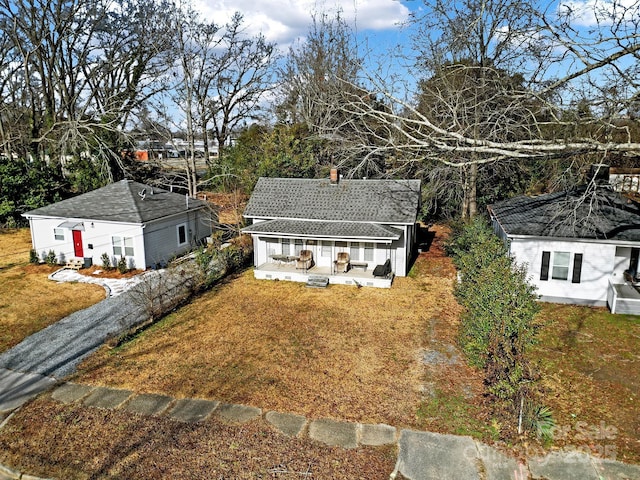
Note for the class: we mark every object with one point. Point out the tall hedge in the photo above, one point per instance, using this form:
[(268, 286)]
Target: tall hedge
[(498, 325)]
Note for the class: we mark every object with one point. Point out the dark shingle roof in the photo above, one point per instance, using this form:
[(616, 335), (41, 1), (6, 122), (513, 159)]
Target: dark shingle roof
[(602, 214), (325, 229), (120, 202), (376, 201)]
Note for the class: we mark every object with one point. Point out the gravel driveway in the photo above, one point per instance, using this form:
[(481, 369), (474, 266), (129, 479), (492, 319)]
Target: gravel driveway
[(57, 350)]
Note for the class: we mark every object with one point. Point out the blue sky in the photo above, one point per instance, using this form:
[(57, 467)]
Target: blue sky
[(377, 22), (379, 27), (284, 21)]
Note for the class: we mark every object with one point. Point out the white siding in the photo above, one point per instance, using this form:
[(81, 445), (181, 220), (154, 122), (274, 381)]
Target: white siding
[(599, 264), (161, 237), (154, 243), (398, 252), (96, 239)]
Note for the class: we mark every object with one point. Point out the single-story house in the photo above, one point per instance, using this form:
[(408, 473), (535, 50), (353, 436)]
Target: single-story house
[(345, 228), (146, 225), (580, 246)]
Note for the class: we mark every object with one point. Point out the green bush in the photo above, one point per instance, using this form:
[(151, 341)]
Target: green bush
[(106, 261), (51, 259), (498, 325), (33, 257), (122, 265)]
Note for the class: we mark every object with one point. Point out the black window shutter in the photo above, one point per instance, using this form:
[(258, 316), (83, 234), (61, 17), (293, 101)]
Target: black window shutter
[(544, 272), (577, 268)]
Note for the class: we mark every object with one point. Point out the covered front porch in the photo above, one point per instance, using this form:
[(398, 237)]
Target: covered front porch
[(623, 298), (286, 270)]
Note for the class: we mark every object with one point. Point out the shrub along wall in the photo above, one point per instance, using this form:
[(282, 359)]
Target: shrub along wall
[(498, 326)]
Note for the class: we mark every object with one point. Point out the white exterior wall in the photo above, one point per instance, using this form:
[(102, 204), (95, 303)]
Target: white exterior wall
[(599, 264), (96, 239), (154, 243), (397, 252), (161, 237)]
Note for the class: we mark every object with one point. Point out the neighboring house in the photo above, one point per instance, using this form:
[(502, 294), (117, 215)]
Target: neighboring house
[(373, 221), (146, 225), (577, 245)]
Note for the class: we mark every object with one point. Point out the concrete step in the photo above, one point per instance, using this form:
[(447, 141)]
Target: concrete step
[(317, 282)]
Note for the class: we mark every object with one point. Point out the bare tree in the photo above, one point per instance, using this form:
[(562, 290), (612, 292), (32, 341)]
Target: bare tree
[(78, 70), (222, 76), (196, 69), (322, 72), (244, 75), (490, 95)]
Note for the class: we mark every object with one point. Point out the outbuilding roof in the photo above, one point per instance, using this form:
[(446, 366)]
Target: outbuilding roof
[(124, 201), (579, 213), (369, 201)]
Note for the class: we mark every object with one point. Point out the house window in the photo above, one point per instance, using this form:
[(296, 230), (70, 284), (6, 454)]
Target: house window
[(326, 249), (298, 246), (341, 246), (286, 246), (272, 246), (58, 233), (560, 266), (354, 251), (368, 252), (182, 234), (122, 246)]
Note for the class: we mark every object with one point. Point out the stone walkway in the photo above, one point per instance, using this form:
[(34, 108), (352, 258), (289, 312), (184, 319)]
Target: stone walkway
[(113, 286), (421, 455)]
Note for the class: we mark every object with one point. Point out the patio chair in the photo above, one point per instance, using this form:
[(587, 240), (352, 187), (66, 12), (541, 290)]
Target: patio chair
[(305, 260), (342, 262), (383, 270), (632, 277)]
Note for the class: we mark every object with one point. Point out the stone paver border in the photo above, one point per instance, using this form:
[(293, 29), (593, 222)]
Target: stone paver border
[(421, 455)]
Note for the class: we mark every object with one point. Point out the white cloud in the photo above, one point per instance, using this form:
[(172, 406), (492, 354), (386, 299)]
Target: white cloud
[(588, 13), (282, 21)]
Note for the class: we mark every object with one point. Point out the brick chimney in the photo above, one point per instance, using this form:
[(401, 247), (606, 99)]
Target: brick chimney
[(334, 177)]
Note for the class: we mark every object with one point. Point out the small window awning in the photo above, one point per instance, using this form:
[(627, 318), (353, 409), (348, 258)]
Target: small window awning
[(72, 225)]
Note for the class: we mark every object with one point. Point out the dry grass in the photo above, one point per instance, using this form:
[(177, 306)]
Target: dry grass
[(82, 443), (29, 301), (354, 354), (342, 352), (591, 369), (230, 205)]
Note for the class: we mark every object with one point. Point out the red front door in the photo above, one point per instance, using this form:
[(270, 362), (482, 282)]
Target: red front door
[(77, 243)]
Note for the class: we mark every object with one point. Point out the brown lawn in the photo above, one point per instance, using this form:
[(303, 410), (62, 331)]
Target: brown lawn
[(29, 301), (91, 443), (341, 352), (348, 353), (590, 360)]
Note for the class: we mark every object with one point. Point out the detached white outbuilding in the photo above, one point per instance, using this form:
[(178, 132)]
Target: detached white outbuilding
[(146, 225), (579, 246)]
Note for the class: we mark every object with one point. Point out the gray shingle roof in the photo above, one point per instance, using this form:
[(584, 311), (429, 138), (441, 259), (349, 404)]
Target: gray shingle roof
[(575, 214), (120, 202), (375, 201), (341, 230)]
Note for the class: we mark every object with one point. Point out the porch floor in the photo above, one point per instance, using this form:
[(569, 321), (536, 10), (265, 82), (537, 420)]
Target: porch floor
[(288, 271)]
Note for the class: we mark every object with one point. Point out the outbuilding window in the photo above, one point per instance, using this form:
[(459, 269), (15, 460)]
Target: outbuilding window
[(182, 234), (58, 233), (560, 269)]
